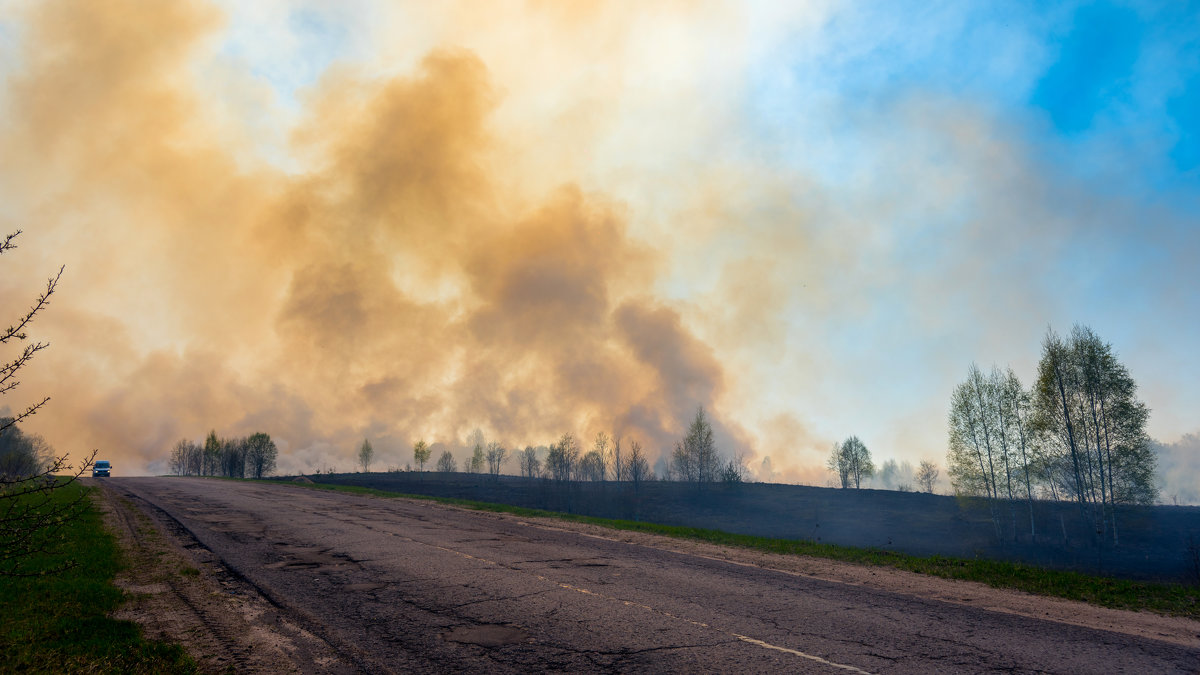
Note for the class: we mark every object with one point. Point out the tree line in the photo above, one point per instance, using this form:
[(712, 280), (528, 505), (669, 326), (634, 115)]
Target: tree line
[(1078, 433), (695, 458), (252, 456), (851, 462)]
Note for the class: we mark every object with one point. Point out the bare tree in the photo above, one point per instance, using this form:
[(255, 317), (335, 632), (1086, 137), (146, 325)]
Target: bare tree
[(734, 470), (496, 454), (531, 467), (859, 459), (567, 458), (31, 514), (180, 462), (366, 454), (603, 451), (446, 463), (16, 332), (927, 475), (637, 468), (30, 511), (591, 467), (421, 453), (837, 464)]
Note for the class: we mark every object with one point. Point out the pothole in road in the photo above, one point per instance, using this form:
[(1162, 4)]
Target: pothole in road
[(486, 635), (311, 558)]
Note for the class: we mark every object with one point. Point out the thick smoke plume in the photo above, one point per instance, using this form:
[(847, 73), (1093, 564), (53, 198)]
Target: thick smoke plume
[(385, 285)]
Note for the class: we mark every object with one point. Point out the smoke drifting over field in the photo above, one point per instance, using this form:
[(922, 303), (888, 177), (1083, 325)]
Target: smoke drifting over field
[(393, 220), (388, 288)]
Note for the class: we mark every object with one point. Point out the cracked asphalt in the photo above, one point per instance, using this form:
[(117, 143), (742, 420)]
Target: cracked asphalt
[(392, 585)]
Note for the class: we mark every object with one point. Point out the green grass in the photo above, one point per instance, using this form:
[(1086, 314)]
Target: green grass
[(1170, 599), (59, 623)]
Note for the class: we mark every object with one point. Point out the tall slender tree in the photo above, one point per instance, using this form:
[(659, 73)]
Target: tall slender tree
[(421, 452), (212, 454), (1093, 427), (695, 458), (366, 454)]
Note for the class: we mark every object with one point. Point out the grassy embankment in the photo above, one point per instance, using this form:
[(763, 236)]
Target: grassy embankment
[(58, 623), (1170, 599)]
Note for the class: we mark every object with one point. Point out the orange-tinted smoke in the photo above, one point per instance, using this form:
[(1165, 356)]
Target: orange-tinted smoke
[(388, 288)]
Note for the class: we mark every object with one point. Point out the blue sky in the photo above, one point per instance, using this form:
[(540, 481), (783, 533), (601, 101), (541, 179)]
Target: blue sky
[(1062, 141)]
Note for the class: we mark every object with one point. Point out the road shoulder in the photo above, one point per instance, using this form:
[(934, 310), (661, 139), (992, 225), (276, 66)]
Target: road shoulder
[(178, 591)]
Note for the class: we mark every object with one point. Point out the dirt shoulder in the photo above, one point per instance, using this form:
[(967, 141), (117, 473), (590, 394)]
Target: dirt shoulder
[(1175, 630), (180, 592)]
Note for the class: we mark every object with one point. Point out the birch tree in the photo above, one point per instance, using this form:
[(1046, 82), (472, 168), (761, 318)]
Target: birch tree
[(695, 458), (1016, 411), (366, 455), (837, 464), (531, 467), (973, 449), (421, 453), (637, 468), (927, 475), (1093, 426), (496, 454)]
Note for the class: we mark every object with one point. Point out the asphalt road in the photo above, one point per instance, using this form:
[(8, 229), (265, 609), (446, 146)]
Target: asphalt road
[(403, 586)]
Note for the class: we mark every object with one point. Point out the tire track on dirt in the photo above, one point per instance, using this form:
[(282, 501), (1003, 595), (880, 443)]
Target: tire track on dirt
[(179, 590)]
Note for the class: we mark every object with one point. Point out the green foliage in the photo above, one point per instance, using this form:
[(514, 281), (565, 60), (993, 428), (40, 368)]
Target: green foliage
[(255, 456), (366, 454), (475, 464), (421, 452), (695, 459), (21, 454), (58, 623), (261, 455), (212, 454), (851, 461), (1087, 410)]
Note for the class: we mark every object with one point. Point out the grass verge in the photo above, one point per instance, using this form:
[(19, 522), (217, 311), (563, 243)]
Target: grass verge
[(1168, 599), (59, 623)]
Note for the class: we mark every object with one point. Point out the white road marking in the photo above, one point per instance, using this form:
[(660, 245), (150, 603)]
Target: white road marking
[(801, 654)]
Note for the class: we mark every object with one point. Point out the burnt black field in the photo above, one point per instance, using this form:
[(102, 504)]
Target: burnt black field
[(1156, 542)]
